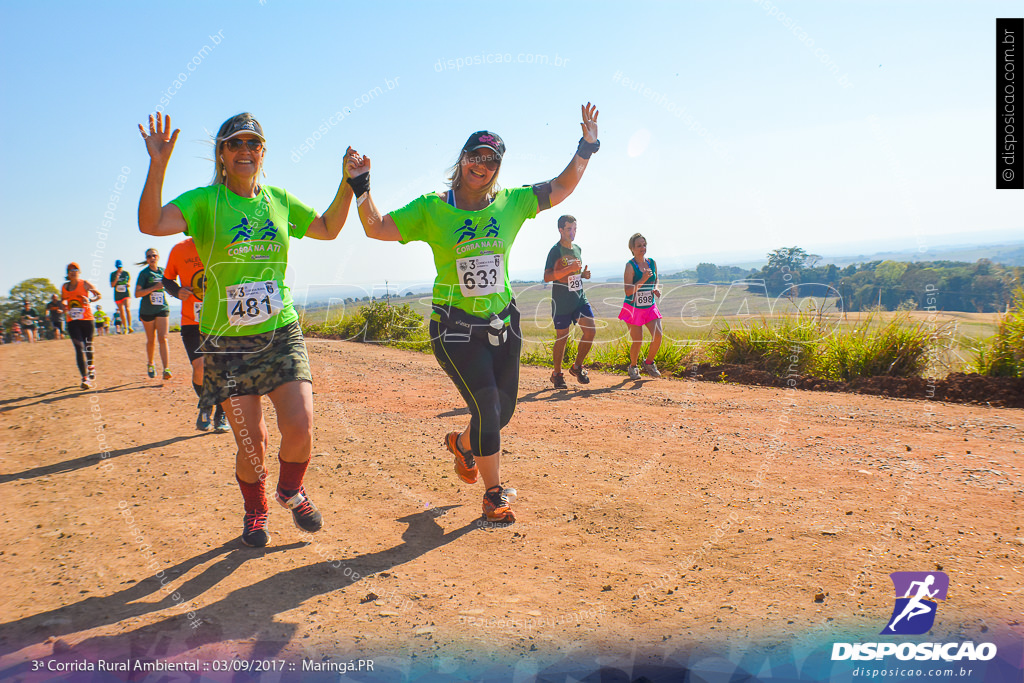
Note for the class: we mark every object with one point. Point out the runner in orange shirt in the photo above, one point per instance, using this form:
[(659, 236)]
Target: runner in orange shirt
[(185, 266), (77, 295)]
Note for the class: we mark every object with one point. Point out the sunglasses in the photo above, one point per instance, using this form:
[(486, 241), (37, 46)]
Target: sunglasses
[(235, 144), (489, 161), (152, 255)]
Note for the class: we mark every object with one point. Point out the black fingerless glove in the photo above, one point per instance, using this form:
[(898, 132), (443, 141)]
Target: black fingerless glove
[(360, 184), (585, 149)]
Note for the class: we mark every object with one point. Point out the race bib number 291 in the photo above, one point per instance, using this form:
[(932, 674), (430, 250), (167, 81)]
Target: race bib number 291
[(480, 275), (253, 302)]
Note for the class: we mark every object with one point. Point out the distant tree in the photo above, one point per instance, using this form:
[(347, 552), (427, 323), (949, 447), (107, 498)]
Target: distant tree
[(889, 272), (792, 258), (36, 291), (706, 272)]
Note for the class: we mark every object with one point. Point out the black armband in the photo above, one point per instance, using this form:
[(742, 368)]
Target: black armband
[(585, 149), (543, 192), (171, 286), (360, 184)]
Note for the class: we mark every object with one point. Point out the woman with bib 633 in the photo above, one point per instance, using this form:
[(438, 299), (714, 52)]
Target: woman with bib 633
[(474, 328), (251, 339)]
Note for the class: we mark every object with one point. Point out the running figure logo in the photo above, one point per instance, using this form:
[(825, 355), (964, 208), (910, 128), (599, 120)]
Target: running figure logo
[(914, 612)]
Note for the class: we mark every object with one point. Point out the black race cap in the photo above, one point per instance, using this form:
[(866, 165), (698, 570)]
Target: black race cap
[(485, 139), (241, 124)]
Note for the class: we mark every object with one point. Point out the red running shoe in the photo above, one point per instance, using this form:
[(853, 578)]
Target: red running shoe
[(496, 506), (465, 463)]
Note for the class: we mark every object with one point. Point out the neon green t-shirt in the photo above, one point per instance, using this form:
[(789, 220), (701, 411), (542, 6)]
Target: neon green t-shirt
[(470, 247), (243, 244)]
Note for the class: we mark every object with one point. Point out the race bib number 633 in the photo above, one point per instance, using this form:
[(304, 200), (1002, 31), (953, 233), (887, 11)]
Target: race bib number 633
[(253, 302), (480, 275)]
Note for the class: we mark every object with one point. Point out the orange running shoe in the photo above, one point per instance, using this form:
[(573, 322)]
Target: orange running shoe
[(465, 463), (496, 506)]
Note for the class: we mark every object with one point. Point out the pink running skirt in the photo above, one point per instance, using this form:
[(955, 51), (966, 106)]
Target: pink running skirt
[(638, 316)]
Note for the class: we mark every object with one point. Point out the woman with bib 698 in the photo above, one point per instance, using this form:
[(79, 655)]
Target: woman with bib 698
[(251, 339), (474, 328)]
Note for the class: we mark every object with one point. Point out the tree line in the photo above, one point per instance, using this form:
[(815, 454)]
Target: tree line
[(981, 287)]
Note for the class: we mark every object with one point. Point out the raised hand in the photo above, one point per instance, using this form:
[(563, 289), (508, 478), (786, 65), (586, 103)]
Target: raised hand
[(355, 163), (589, 124), (160, 141)]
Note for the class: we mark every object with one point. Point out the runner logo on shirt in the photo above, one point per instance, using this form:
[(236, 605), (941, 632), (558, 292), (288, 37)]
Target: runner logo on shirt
[(269, 232), (244, 231), (468, 231), (258, 249)]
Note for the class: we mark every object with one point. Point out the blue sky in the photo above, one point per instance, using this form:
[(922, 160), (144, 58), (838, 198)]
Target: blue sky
[(731, 128)]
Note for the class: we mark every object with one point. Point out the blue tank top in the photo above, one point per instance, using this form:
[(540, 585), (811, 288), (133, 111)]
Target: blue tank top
[(646, 299)]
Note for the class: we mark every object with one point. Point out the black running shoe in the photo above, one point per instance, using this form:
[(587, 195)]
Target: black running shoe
[(304, 513), (581, 374), (558, 379), (255, 527)]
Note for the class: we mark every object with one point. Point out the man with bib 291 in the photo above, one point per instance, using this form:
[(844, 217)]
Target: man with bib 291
[(565, 271), (474, 328)]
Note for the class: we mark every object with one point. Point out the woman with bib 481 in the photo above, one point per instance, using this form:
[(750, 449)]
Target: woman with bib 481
[(474, 328), (251, 339)]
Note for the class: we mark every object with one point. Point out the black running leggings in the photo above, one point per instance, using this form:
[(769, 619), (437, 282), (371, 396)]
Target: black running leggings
[(81, 332), (486, 376)]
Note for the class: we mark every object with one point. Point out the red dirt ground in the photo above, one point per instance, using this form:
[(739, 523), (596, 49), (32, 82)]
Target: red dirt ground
[(655, 515)]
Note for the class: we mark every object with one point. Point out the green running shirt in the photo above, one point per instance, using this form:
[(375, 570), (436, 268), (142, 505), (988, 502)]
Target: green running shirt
[(154, 302), (566, 297), (243, 243), (120, 283), (470, 247)]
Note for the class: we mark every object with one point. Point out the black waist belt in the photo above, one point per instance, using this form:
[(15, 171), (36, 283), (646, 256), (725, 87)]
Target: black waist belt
[(493, 329)]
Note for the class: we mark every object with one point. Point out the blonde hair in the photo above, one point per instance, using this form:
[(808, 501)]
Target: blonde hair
[(455, 177), (219, 174), (632, 240)]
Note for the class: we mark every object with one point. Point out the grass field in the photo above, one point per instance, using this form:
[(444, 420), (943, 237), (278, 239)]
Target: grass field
[(693, 313)]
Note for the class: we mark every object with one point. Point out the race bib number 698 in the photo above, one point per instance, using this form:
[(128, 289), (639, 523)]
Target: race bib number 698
[(644, 299), (253, 302), (480, 275)]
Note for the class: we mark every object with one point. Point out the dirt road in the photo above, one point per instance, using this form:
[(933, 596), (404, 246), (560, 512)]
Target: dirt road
[(654, 516)]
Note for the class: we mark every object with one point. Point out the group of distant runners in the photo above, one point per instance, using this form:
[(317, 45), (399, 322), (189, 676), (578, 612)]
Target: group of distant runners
[(565, 270), (240, 327)]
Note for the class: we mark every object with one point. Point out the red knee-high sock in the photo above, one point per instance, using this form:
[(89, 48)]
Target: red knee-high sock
[(289, 480), (255, 495)]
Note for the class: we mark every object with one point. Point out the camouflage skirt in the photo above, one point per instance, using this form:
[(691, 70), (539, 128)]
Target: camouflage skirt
[(253, 365)]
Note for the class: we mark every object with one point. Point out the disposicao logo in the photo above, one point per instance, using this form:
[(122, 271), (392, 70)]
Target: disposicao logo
[(914, 612)]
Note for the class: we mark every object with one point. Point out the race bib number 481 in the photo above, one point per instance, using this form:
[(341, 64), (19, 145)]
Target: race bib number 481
[(480, 275), (253, 302)]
